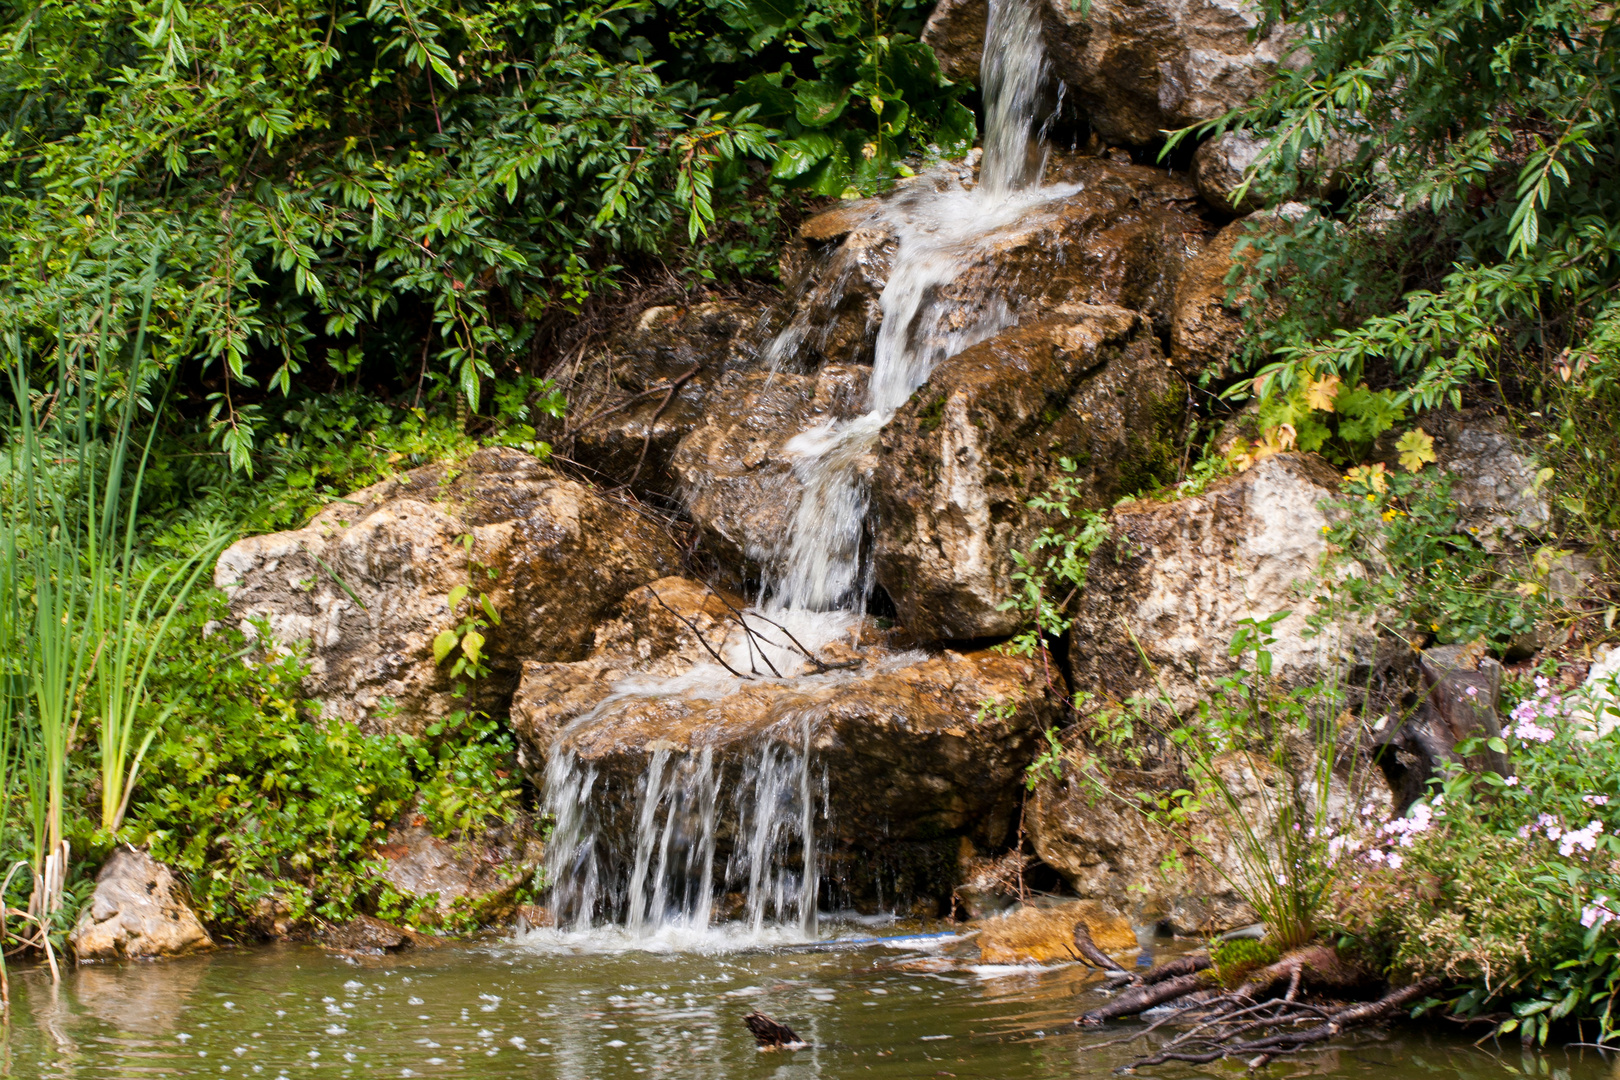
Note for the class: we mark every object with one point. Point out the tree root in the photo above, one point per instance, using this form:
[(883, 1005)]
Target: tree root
[(1259, 1020)]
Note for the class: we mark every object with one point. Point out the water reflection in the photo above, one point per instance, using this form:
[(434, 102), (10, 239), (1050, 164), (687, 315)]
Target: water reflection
[(548, 1009)]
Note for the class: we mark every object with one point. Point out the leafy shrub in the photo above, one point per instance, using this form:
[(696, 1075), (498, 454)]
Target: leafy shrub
[(1506, 886), (250, 794), (1428, 576)]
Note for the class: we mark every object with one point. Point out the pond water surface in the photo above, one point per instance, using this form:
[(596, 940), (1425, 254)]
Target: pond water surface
[(543, 1006)]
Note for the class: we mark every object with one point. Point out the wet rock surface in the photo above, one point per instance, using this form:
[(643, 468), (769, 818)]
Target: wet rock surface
[(1181, 573), (1206, 323), (137, 912), (1121, 240), (1220, 166), (906, 753), (1043, 932), (736, 473), (366, 583), (958, 465)]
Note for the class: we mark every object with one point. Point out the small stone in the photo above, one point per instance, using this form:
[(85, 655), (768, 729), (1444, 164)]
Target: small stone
[(136, 912), (1044, 933)]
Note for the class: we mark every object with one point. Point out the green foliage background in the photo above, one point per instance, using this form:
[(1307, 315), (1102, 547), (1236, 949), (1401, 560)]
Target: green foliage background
[(419, 193)]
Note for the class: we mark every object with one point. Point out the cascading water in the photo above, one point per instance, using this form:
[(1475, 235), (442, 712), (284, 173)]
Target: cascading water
[(657, 871)]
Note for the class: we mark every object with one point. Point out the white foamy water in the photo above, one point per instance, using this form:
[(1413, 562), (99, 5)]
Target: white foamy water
[(713, 821)]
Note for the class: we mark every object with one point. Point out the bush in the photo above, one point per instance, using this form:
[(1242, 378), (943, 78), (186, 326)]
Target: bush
[(1507, 887)]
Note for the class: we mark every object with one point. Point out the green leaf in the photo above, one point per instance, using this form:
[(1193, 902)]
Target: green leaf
[(489, 608), (443, 644), (457, 595), (798, 156), (818, 103), (472, 645)]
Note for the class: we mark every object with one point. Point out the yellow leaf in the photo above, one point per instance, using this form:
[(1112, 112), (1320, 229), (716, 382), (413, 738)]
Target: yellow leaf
[(443, 644), (1319, 393), (1416, 447), (472, 645)]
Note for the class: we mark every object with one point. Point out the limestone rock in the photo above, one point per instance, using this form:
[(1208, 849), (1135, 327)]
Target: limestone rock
[(366, 582), (955, 31), (136, 913), (736, 474), (481, 871), (1120, 239), (617, 398), (959, 463), (907, 750), (1220, 166), (1043, 933), (1180, 573), (1493, 480), (1206, 326), (1139, 67)]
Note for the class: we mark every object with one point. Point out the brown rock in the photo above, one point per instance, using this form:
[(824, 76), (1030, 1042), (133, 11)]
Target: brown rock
[(136, 913), (619, 419), (1119, 240), (363, 935), (1206, 324), (955, 31), (736, 477), (366, 583), (481, 872), (1221, 165), (1139, 67), (960, 462), (1044, 933), (1180, 573)]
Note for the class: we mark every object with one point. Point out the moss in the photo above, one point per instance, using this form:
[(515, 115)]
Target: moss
[(932, 416)]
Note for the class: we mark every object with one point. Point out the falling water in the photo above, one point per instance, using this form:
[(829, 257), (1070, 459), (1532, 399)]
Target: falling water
[(939, 233), (655, 872)]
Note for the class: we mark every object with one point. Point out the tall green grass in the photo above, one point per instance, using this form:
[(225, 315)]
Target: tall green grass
[(84, 610)]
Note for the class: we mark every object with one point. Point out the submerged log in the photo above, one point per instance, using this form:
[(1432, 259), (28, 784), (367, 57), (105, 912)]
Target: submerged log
[(769, 1033)]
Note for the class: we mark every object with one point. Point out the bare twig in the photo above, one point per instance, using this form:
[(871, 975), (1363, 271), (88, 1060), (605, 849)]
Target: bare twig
[(697, 634)]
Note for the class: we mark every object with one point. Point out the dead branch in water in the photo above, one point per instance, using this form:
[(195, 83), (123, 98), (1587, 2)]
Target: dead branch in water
[(1252, 1021)]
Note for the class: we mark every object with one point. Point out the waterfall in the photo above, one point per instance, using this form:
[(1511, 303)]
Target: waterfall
[(656, 871), (938, 232)]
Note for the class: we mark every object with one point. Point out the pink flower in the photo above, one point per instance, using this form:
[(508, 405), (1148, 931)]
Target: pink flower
[(1512, 781), (1598, 912), (1395, 860)]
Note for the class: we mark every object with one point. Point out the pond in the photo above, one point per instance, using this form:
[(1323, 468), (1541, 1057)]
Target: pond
[(545, 1005)]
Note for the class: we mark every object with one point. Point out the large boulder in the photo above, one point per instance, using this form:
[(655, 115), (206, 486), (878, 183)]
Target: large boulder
[(736, 473), (955, 31), (1116, 234), (366, 583), (958, 465), (1221, 165), (632, 400), (1141, 67), (136, 913), (1494, 482), (1176, 576), (914, 746)]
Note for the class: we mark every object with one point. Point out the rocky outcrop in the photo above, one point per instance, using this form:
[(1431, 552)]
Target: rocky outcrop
[(1137, 67), (480, 873), (959, 464), (367, 581), (736, 475), (1220, 166), (633, 400), (1179, 574), (1493, 480), (1206, 321), (1120, 239), (1092, 830), (915, 746), (136, 913), (1140, 67)]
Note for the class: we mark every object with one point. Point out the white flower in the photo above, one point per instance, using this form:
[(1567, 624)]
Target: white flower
[(1395, 860), (1597, 912), (1512, 781)]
